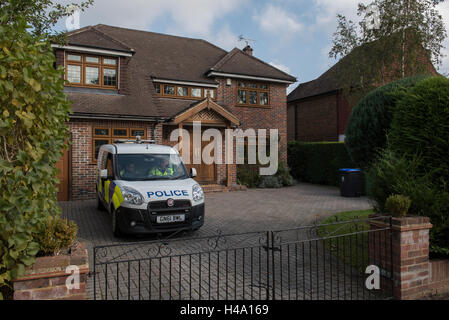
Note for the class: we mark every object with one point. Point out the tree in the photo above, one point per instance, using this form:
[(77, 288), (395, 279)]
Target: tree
[(394, 39), (41, 15), (33, 115)]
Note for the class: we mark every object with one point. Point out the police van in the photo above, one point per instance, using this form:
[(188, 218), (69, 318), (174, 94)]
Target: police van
[(146, 188)]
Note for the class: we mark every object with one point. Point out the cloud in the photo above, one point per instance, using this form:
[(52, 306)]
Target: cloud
[(280, 67), (225, 39), (193, 17), (327, 10), (275, 20)]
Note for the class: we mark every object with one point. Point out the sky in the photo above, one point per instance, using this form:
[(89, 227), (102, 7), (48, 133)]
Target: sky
[(293, 35)]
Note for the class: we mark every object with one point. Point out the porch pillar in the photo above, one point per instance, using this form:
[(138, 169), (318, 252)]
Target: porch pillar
[(228, 164), (180, 138)]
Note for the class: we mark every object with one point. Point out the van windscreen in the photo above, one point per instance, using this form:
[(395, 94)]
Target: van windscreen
[(144, 167)]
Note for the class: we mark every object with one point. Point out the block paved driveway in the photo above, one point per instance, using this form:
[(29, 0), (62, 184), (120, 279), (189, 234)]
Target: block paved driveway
[(232, 212)]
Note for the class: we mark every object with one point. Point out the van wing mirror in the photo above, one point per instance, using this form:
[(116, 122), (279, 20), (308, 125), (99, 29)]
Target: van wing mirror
[(192, 172), (104, 174)]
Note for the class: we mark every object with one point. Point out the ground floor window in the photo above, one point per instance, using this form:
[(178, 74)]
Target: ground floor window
[(107, 135)]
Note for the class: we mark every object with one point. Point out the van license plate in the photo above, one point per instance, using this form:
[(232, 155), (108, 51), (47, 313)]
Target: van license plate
[(170, 219)]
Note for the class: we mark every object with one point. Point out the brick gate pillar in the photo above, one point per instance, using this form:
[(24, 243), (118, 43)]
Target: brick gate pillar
[(410, 255)]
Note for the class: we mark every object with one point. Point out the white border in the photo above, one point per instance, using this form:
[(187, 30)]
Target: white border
[(93, 50), (239, 76), (186, 83)]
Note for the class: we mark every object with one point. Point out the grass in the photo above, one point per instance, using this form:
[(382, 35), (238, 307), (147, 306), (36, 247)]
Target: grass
[(345, 241)]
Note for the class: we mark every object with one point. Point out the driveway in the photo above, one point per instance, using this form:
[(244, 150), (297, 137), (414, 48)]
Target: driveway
[(232, 212)]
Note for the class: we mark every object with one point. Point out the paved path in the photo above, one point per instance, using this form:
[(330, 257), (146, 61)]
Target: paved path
[(233, 212)]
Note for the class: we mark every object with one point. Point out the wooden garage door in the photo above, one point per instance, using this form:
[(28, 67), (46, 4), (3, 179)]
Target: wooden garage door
[(63, 186)]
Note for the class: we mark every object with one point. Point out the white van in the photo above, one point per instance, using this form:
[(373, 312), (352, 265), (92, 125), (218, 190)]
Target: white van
[(147, 189)]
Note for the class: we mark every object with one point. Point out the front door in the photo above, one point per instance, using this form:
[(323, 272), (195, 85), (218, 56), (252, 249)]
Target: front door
[(205, 172)]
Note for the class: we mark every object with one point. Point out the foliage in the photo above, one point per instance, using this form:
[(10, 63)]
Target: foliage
[(389, 42), (393, 174), (398, 205), (421, 125), (41, 15), (248, 175), (318, 162), (270, 182), (32, 134), (55, 234), (371, 119)]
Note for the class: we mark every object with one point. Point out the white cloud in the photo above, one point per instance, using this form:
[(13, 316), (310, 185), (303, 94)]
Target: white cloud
[(327, 10), (225, 39), (280, 67), (193, 17), (278, 21)]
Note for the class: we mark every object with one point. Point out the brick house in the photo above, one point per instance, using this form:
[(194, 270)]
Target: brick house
[(318, 109), (125, 83)]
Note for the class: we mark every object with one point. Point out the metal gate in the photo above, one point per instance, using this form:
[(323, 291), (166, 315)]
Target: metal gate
[(319, 262)]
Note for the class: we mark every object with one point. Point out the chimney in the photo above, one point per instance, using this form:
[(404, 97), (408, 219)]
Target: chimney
[(248, 50)]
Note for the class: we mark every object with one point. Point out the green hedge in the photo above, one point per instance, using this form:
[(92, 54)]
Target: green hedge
[(318, 162)]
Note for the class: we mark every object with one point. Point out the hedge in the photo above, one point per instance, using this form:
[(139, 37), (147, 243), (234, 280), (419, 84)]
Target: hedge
[(371, 119), (318, 162)]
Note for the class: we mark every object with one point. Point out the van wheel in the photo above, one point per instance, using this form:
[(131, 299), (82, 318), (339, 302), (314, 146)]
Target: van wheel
[(115, 226), (100, 205)]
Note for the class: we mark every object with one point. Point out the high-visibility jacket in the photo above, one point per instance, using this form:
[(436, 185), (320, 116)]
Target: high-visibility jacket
[(158, 172)]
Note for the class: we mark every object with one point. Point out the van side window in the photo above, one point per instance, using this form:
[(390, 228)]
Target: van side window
[(109, 165)]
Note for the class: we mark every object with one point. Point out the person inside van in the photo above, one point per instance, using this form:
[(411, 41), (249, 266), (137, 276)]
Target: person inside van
[(129, 170), (162, 169)]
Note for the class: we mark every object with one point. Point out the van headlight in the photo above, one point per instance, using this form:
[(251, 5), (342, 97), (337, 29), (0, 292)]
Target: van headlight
[(132, 196), (197, 193)]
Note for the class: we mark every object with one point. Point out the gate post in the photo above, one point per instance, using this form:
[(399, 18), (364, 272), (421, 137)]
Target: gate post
[(405, 252)]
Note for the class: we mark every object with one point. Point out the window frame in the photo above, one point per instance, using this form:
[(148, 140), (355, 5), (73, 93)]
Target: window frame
[(189, 91), (110, 137), (247, 89), (85, 64)]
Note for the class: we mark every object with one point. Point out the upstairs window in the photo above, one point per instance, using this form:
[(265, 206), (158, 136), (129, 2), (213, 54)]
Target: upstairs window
[(85, 70), (184, 92), (253, 94)]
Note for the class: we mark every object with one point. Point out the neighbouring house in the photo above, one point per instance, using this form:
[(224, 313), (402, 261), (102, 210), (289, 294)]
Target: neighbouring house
[(318, 110), (126, 83)]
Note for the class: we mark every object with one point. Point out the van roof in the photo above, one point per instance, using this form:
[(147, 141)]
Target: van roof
[(137, 148)]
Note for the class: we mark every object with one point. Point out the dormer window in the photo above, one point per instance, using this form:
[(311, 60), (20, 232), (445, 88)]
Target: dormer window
[(86, 70), (183, 91)]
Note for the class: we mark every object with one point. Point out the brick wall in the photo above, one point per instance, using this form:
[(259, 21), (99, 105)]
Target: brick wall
[(46, 278), (317, 118), (274, 117), (83, 167), (414, 274)]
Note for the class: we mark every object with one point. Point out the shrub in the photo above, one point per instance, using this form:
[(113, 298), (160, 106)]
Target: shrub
[(248, 175), (392, 174), (318, 162), (55, 234), (398, 205), (32, 134), (270, 182), (421, 126), (371, 119)]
